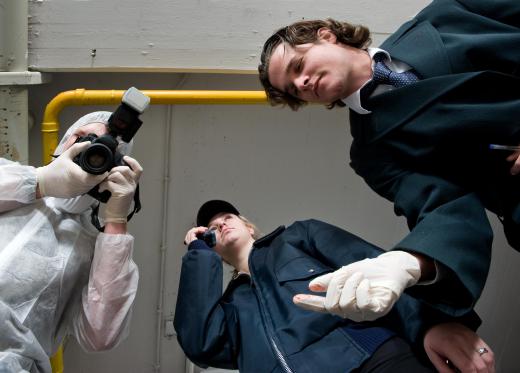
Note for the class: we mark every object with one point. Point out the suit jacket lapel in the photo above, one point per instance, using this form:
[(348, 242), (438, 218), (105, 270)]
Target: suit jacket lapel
[(408, 44), (394, 108)]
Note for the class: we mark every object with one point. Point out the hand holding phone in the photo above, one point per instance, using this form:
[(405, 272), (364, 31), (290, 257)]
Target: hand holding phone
[(209, 237)]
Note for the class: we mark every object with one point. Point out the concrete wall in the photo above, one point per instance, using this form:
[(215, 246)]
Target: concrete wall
[(181, 35)]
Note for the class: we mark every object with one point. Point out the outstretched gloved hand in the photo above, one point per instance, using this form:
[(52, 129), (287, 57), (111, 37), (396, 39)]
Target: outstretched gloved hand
[(364, 290), (121, 182), (63, 178)]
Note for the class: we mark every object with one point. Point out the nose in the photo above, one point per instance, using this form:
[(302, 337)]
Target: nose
[(220, 226), (302, 82)]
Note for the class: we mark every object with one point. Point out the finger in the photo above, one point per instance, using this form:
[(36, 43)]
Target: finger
[(348, 301), (321, 283), (126, 172), (191, 235), (112, 187), (88, 178), (439, 362), (310, 302), (515, 169), (484, 362), (117, 177), (334, 289), (103, 186), (76, 148), (363, 295), (511, 157), (489, 358), (133, 164), (460, 359), (374, 302)]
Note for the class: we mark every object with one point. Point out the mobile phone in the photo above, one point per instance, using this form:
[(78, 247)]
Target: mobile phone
[(209, 237)]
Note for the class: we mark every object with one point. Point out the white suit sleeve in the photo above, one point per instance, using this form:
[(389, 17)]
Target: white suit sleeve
[(107, 300), (17, 185)]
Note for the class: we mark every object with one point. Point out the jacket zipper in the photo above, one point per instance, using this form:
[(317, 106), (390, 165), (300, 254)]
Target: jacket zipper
[(277, 351), (280, 357)]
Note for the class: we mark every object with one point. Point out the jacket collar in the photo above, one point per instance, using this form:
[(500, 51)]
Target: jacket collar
[(267, 239)]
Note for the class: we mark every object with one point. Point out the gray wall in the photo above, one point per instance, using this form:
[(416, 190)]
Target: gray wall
[(278, 167), (181, 35)]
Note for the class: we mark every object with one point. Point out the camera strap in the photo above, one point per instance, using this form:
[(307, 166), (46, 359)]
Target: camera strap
[(94, 217)]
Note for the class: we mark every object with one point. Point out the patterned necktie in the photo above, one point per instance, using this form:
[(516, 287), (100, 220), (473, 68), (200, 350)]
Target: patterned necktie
[(383, 75)]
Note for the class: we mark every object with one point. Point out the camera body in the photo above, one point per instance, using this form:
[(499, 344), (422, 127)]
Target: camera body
[(102, 154)]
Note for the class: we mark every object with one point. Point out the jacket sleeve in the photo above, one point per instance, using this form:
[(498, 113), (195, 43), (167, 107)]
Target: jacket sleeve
[(104, 317), (448, 224), (200, 320), (331, 245), (411, 317), (17, 185), (504, 11)]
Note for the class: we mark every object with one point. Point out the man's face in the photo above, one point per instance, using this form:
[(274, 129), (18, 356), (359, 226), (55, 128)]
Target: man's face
[(313, 72), (98, 129), (229, 229)]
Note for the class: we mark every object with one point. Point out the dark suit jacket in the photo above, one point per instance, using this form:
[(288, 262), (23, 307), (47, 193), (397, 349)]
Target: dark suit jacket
[(426, 146)]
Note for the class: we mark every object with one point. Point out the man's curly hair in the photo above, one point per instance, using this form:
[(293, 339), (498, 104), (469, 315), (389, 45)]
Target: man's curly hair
[(303, 32)]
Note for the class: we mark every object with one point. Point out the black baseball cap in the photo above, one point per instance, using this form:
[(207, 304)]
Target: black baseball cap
[(211, 208)]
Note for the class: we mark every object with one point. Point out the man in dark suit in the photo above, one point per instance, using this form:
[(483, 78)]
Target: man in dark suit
[(421, 137)]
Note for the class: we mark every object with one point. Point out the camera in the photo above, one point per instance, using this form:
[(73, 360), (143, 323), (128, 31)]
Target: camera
[(209, 237), (102, 154)]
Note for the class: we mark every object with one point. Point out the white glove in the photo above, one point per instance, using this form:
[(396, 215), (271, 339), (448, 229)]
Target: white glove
[(364, 290), (121, 182), (63, 178)]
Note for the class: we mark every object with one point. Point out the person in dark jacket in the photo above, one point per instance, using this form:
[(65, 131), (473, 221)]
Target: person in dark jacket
[(254, 325), (425, 109)]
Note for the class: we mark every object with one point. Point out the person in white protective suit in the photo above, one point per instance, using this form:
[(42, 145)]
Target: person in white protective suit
[(59, 276)]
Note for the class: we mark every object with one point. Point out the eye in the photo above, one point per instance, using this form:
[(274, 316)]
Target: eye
[(299, 65)]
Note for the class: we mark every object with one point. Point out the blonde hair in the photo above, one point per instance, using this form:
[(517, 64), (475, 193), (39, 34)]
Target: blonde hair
[(256, 232)]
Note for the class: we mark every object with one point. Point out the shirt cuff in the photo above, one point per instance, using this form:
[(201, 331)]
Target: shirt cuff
[(440, 272)]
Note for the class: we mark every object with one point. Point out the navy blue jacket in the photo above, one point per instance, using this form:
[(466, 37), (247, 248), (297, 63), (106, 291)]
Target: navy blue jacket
[(425, 147), (255, 327)]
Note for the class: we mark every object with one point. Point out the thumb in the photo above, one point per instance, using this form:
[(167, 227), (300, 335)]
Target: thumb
[(75, 149), (321, 283), (310, 302), (439, 362)]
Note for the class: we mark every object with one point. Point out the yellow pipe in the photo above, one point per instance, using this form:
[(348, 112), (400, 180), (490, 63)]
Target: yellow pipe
[(50, 124), (57, 361)]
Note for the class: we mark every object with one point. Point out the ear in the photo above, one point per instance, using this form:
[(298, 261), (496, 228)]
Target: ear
[(251, 230), (325, 34)]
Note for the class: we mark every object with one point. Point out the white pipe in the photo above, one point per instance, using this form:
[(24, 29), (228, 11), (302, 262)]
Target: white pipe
[(164, 241), (164, 235)]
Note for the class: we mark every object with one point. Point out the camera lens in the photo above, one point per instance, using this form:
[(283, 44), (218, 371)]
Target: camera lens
[(96, 159)]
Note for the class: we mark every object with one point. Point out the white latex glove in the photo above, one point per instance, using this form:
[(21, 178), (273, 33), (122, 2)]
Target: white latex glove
[(63, 178), (364, 290), (121, 182)]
